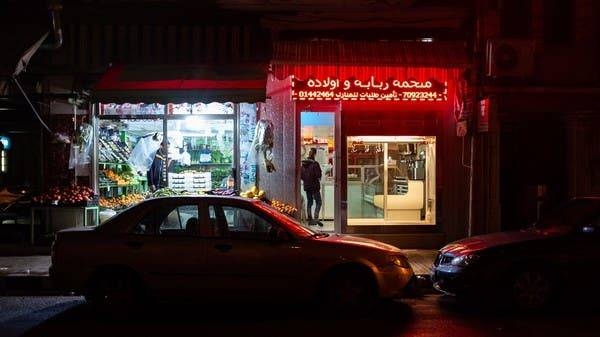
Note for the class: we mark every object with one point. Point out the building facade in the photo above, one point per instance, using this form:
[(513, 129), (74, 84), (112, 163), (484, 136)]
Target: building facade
[(515, 135)]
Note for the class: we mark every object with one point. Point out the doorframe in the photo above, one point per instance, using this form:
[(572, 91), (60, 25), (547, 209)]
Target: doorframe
[(335, 108)]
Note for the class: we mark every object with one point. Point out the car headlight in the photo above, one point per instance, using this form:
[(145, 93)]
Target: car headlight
[(399, 261), (464, 260)]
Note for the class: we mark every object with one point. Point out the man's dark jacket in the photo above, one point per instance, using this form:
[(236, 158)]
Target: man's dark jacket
[(311, 175)]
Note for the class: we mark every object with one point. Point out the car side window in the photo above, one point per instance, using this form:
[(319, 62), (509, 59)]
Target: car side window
[(216, 223), (179, 220), (145, 226), (571, 214), (243, 223)]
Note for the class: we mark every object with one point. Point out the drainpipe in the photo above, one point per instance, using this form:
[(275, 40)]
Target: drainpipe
[(476, 82), (55, 8)]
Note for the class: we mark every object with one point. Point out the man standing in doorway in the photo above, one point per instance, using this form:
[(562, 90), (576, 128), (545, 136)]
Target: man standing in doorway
[(311, 177)]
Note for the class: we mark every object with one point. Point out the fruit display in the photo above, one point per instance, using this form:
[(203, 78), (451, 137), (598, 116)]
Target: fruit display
[(74, 195), (283, 207), (120, 202), (254, 192), (120, 178)]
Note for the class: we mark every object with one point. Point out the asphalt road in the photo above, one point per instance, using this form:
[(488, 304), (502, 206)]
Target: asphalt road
[(429, 315)]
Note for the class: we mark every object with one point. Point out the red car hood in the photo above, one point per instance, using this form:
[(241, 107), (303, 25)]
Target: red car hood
[(479, 242), (358, 241)]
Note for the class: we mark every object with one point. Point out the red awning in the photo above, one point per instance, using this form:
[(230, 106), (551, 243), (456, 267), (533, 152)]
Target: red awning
[(306, 58), (181, 83)]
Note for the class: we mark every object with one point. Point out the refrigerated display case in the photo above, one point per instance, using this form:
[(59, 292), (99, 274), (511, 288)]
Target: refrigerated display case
[(391, 180)]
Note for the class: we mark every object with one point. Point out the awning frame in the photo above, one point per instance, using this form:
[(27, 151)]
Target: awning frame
[(181, 84)]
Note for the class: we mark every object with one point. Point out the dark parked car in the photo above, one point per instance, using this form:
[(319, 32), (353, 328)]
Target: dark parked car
[(530, 268), (222, 246)]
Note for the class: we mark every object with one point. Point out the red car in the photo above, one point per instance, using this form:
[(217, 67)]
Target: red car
[(530, 268)]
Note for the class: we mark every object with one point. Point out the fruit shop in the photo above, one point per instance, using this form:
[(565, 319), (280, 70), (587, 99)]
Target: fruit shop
[(204, 116)]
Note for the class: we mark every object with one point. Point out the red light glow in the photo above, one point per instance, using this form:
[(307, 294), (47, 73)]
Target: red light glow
[(371, 89)]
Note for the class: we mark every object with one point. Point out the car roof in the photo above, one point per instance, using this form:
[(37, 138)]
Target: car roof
[(203, 197)]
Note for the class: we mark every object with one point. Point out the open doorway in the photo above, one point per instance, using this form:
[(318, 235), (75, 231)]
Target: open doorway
[(318, 132)]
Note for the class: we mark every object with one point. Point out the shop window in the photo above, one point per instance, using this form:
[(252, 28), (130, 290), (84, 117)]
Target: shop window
[(126, 148), (391, 180), (209, 147), (204, 153)]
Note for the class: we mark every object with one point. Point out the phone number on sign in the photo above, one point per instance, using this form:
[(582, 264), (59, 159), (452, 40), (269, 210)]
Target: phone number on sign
[(390, 96)]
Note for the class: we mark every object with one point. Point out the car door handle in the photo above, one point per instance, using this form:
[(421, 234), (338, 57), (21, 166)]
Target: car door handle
[(135, 244), (223, 247)]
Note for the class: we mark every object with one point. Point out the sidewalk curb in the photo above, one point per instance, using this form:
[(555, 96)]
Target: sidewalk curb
[(42, 286)]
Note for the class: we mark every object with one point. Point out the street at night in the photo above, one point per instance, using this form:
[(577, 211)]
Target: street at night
[(430, 315), (163, 161)]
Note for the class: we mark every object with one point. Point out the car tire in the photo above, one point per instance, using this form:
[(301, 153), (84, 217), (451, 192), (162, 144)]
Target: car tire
[(347, 292), (531, 290), (114, 293)]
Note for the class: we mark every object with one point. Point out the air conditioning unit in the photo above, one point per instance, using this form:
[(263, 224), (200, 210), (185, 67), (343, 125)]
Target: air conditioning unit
[(509, 58)]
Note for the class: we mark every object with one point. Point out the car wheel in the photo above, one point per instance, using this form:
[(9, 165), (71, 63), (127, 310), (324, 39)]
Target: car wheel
[(347, 292), (531, 290), (114, 293)]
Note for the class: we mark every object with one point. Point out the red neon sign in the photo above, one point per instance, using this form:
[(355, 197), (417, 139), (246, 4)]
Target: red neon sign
[(372, 89)]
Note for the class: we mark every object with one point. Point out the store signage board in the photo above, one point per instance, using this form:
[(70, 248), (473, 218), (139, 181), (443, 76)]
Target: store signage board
[(130, 109), (370, 89)]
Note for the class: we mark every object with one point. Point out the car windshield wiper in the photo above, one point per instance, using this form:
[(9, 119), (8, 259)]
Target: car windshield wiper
[(319, 235), (531, 228)]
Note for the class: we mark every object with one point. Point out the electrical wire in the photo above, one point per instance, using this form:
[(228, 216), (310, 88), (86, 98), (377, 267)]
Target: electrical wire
[(31, 104)]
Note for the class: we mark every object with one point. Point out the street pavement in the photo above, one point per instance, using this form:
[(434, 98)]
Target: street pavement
[(431, 315)]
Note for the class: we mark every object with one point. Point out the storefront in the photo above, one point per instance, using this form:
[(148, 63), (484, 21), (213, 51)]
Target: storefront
[(383, 119), (205, 115)]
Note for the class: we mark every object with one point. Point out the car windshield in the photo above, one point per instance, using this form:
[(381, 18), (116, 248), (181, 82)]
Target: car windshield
[(570, 214), (295, 224)]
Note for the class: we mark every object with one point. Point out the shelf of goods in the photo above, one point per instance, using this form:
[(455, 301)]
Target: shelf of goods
[(113, 152), (118, 178), (190, 181), (118, 185)]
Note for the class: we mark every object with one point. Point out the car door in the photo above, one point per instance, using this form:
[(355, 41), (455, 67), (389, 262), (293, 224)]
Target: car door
[(244, 257), (584, 256), (574, 251), (168, 256)]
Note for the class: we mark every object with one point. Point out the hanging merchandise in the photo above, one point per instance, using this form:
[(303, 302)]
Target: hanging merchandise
[(263, 142), (143, 152), (80, 155)]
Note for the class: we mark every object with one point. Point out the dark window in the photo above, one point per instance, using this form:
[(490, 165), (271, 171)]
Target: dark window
[(558, 21), (515, 18), (573, 213)]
